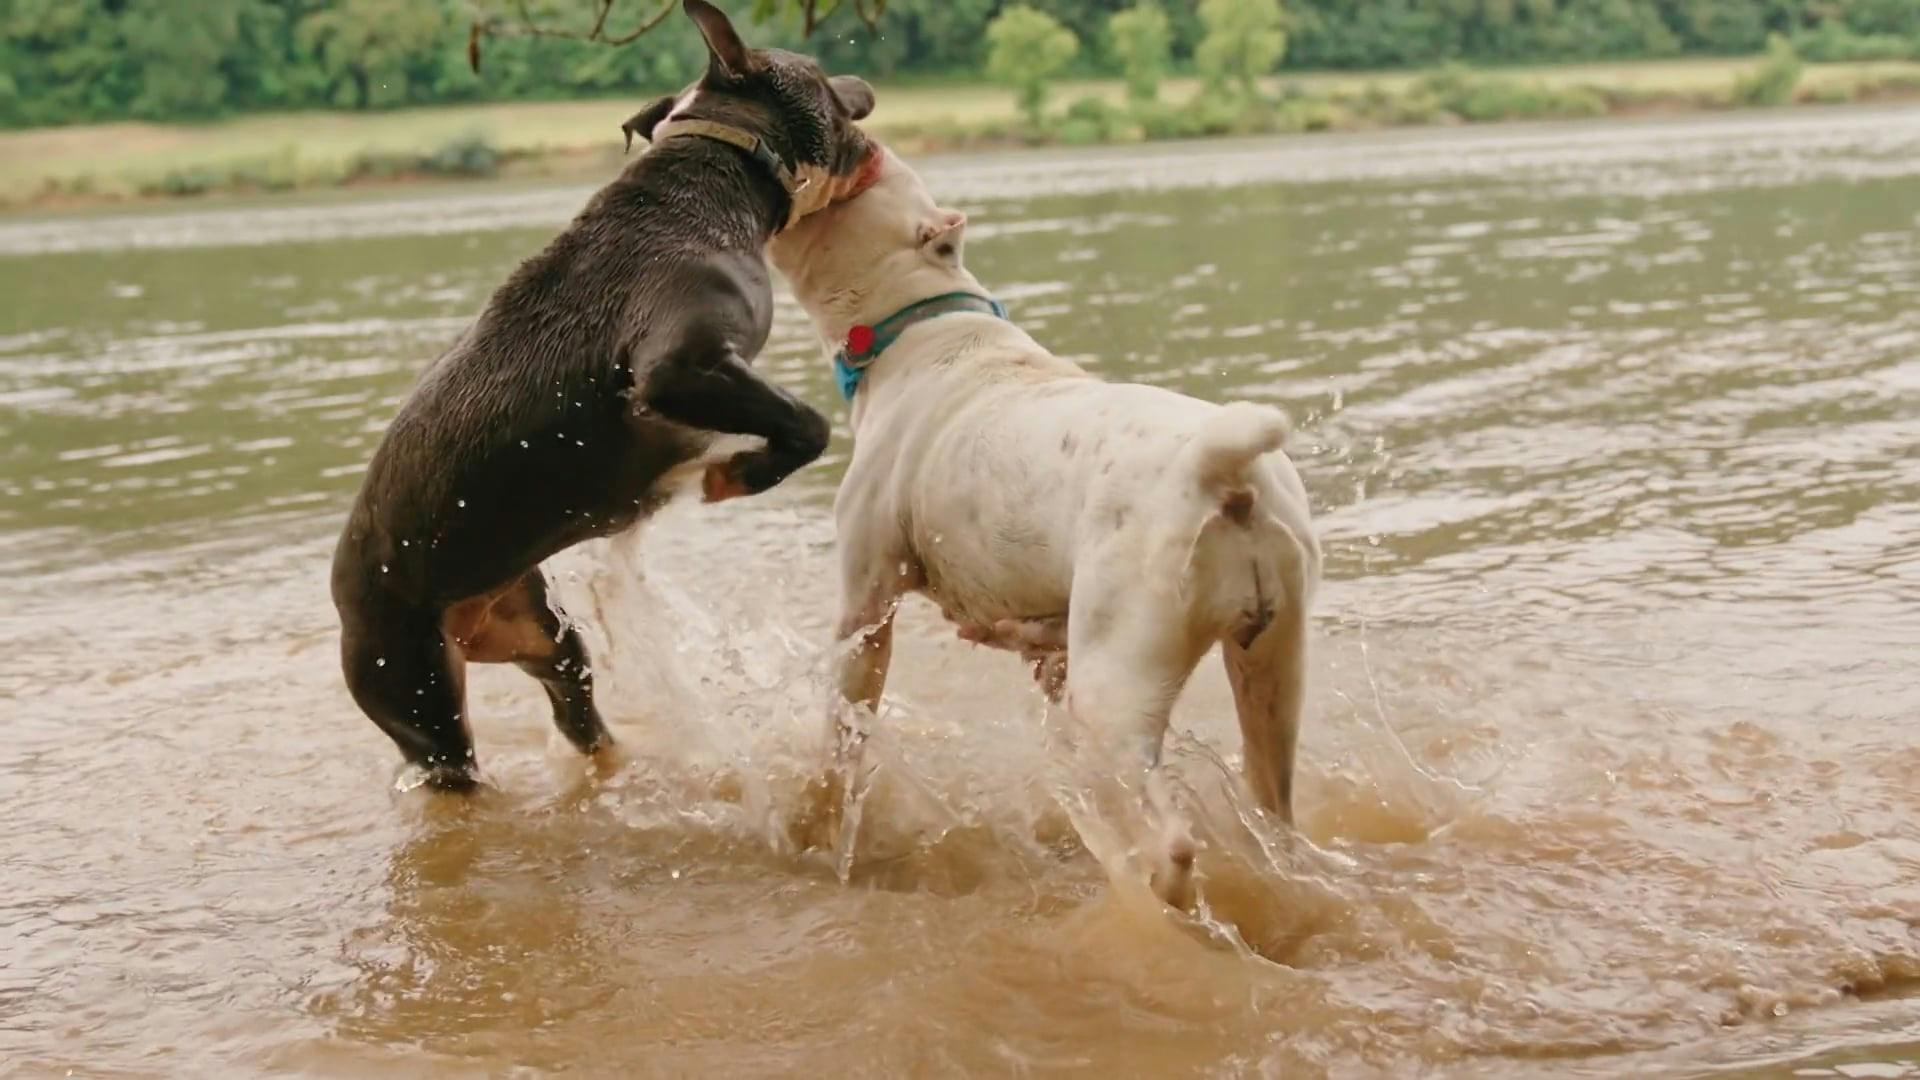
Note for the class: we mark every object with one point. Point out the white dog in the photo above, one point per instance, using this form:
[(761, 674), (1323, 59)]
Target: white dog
[(1043, 508)]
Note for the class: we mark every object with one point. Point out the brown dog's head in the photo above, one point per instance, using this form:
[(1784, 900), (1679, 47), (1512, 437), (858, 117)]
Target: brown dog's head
[(782, 97)]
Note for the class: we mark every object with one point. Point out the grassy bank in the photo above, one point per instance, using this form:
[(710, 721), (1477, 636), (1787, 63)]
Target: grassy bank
[(295, 151)]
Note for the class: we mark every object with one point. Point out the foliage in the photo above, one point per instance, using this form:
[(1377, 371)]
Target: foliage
[(1141, 40), (1773, 81), (1097, 120), (1895, 18), (64, 61), (370, 49), (1026, 49), (469, 155), (1835, 42), (1479, 98), (1244, 41)]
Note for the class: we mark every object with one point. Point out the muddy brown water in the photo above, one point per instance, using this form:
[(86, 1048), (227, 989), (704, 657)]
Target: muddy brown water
[(1611, 766)]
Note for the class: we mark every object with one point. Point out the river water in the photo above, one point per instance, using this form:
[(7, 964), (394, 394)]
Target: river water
[(1611, 764)]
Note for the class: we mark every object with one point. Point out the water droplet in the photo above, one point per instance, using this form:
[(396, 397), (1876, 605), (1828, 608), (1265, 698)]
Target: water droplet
[(523, 444), (383, 568), (406, 543), (382, 662), (459, 502)]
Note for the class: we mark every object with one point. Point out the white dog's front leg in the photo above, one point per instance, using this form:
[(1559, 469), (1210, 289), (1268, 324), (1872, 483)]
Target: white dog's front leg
[(871, 591), (865, 637)]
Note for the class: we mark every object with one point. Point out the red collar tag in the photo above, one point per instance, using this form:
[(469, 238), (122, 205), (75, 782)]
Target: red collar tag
[(859, 340)]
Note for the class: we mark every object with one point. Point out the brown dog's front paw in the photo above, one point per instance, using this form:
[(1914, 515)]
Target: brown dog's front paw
[(719, 483)]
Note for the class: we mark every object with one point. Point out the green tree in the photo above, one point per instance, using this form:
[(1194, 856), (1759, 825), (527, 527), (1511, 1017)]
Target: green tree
[(369, 48), (178, 52), (1244, 41), (1142, 41), (1026, 49), (62, 60)]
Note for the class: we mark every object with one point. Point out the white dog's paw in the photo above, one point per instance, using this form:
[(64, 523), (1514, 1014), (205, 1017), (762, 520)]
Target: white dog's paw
[(1172, 878), (1050, 671)]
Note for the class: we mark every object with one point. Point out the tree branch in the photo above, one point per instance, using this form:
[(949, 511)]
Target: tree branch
[(527, 25), (530, 26), (649, 23)]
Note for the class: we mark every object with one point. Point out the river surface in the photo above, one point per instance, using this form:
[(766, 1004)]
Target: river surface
[(1611, 765)]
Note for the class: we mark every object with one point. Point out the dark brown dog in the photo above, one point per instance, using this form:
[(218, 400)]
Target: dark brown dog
[(605, 361)]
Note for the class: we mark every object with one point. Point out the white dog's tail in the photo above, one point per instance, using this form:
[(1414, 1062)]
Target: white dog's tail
[(1246, 562), (1237, 435)]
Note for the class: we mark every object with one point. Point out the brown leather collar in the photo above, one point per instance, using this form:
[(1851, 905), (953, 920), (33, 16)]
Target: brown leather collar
[(756, 148)]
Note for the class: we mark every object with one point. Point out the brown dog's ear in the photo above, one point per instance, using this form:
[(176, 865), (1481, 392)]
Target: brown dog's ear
[(643, 122), (854, 94), (941, 236), (727, 55)]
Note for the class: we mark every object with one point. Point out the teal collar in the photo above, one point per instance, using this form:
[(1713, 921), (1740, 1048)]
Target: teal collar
[(864, 344)]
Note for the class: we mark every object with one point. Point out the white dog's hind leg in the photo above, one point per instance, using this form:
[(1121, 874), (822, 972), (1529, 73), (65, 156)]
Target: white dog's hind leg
[(1268, 677), (1129, 662)]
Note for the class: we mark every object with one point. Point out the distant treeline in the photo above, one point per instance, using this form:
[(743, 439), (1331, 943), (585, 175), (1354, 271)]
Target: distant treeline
[(64, 61)]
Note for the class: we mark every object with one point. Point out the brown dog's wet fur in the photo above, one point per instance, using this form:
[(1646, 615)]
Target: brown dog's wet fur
[(603, 362)]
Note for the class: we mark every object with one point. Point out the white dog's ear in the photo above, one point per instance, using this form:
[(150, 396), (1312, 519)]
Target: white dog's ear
[(942, 235)]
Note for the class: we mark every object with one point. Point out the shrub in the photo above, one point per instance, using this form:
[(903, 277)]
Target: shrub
[(1413, 104), (1211, 114), (1078, 132), (472, 154), (1162, 121), (192, 180), (1480, 98), (469, 155), (1773, 81), (1093, 119), (1310, 114)]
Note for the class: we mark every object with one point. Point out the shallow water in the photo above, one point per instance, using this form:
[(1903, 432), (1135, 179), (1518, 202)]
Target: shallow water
[(1613, 438)]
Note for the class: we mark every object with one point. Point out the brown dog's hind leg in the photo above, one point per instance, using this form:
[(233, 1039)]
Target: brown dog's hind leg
[(519, 625), (405, 677)]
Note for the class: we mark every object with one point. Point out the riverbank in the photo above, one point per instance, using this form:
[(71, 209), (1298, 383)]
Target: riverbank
[(307, 151)]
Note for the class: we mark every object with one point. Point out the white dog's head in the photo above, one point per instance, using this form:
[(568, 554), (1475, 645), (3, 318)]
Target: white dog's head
[(861, 260)]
